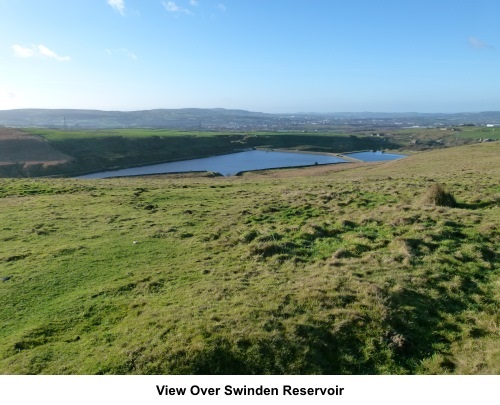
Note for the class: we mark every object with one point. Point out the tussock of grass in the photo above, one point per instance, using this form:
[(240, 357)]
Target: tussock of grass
[(437, 195)]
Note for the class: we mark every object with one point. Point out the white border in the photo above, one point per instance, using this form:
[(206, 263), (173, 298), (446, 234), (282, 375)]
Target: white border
[(141, 390)]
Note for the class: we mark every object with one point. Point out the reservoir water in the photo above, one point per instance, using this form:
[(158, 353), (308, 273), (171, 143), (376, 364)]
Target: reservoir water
[(233, 163)]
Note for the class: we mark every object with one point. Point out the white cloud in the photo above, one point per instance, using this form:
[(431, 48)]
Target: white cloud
[(478, 44), (172, 7), (38, 51), (23, 52), (194, 3), (118, 5), (44, 51), (221, 7)]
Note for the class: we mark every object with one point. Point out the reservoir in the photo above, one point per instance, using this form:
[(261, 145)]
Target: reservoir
[(229, 165)]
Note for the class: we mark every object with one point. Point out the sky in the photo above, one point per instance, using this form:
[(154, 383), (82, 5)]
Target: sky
[(276, 56)]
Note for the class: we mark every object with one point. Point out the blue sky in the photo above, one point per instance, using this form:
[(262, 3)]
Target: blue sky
[(262, 55)]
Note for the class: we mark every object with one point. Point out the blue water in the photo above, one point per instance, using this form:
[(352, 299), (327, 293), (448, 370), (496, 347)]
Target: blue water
[(229, 165), (226, 165)]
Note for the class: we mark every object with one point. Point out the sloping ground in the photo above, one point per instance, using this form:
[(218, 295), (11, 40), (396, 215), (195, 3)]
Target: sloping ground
[(21, 153), (341, 272)]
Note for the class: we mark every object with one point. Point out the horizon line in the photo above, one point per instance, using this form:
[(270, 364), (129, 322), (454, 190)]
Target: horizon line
[(252, 111)]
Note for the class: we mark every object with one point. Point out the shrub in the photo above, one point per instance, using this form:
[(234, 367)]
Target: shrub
[(437, 195)]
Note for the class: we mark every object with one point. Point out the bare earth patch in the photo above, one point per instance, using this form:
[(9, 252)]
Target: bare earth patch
[(319, 170)]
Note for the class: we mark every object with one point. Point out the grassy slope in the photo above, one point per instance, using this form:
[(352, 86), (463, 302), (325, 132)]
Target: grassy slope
[(343, 272)]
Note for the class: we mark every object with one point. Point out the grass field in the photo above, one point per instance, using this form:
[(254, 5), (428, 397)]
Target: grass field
[(336, 271), (427, 138), (62, 135)]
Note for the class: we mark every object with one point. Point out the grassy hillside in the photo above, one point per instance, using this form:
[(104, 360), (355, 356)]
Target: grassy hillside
[(339, 271)]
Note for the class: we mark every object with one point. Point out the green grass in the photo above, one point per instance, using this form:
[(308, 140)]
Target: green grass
[(480, 132), (345, 272), (61, 135), (429, 138)]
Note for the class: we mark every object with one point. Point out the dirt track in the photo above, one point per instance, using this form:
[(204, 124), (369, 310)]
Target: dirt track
[(18, 147), (308, 171)]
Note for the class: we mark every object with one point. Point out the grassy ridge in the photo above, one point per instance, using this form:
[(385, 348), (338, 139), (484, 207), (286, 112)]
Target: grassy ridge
[(337, 273)]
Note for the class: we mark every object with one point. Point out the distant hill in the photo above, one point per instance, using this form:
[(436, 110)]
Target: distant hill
[(161, 118), (219, 118)]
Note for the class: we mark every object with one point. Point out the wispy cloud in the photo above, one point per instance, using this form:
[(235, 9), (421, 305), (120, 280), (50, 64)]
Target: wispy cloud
[(194, 3), (44, 51), (172, 7), (38, 51), (118, 5), (476, 43), (221, 7)]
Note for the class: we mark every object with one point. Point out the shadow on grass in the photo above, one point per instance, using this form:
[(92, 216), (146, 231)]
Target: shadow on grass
[(312, 349), (424, 321), (477, 206), (417, 327)]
